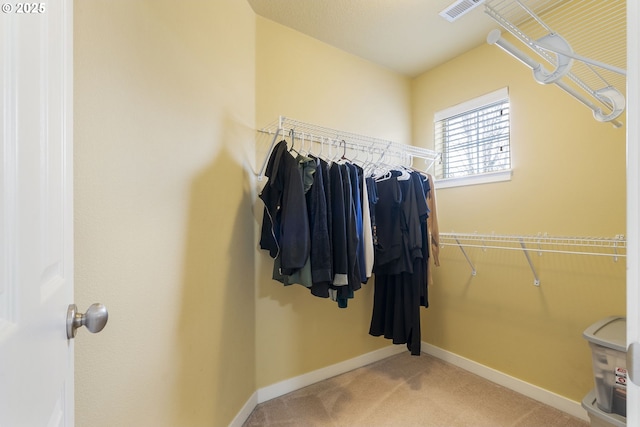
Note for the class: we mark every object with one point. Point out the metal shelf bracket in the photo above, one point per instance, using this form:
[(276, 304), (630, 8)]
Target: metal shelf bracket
[(536, 280)]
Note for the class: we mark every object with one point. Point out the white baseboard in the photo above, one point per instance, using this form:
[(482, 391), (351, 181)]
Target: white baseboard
[(292, 384), (246, 410), (545, 396)]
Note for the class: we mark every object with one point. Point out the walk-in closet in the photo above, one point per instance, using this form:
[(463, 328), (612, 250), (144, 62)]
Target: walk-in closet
[(309, 213)]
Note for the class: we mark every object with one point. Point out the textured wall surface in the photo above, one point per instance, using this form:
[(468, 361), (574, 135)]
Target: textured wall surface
[(164, 119), (568, 180)]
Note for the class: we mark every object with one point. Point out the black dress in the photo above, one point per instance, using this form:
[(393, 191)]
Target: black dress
[(400, 263)]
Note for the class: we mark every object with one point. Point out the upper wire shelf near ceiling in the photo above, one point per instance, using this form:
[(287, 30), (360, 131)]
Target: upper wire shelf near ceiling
[(583, 42), (366, 149)]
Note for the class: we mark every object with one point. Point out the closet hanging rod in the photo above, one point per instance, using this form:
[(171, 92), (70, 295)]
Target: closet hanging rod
[(285, 127)]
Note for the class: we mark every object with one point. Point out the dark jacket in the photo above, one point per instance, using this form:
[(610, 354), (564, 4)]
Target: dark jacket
[(338, 228), (285, 225), (321, 244)]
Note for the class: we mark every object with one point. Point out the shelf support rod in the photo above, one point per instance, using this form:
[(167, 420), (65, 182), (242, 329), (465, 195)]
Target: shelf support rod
[(536, 281), (473, 269)]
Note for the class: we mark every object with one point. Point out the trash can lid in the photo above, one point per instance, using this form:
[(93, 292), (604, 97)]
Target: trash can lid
[(609, 332)]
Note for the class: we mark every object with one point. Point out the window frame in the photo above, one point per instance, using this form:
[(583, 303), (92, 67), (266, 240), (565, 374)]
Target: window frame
[(467, 106)]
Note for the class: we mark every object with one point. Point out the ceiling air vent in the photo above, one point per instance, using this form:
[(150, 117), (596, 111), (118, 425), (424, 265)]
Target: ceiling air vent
[(459, 8)]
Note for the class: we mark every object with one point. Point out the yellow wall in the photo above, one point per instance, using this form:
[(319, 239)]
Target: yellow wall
[(302, 78), (568, 179), (164, 119)]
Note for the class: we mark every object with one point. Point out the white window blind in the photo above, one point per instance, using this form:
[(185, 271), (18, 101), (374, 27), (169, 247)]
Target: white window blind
[(473, 137)]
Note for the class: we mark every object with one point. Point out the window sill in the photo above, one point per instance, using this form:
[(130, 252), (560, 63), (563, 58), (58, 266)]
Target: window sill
[(484, 178)]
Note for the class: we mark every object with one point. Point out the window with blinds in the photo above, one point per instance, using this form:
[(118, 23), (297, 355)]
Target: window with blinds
[(473, 138)]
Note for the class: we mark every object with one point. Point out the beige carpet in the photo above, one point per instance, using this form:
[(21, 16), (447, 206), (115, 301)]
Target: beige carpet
[(405, 390)]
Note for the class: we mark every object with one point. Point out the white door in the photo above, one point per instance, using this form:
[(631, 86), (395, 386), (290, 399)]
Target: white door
[(633, 205), (36, 207)]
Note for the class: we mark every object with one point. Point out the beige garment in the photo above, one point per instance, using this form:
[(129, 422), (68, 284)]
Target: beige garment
[(432, 227)]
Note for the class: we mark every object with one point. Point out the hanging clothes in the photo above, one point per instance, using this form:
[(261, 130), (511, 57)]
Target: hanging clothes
[(400, 264), (432, 225), (323, 203), (329, 228), (343, 293), (339, 227), (303, 276), (285, 232), (367, 231), (320, 255)]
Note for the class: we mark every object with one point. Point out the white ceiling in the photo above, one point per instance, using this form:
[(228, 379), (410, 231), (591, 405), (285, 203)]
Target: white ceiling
[(407, 36)]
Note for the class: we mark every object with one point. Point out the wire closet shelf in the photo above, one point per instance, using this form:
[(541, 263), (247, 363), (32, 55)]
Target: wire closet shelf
[(584, 42), (614, 247), (366, 149)]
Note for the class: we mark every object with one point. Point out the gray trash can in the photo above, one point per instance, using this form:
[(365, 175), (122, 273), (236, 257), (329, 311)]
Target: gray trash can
[(598, 417), (607, 339)]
